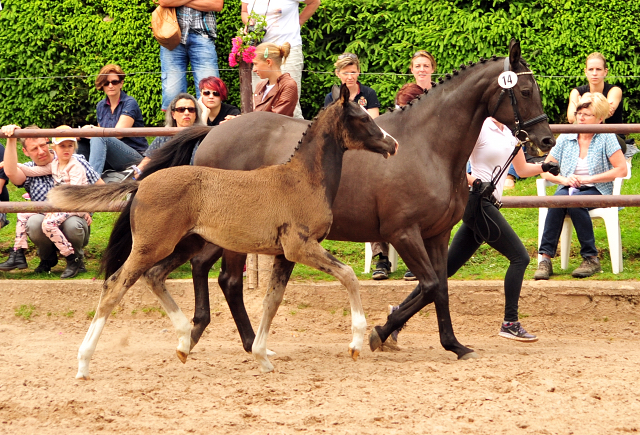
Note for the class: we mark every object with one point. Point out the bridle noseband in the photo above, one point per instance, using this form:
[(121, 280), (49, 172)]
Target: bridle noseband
[(519, 126)]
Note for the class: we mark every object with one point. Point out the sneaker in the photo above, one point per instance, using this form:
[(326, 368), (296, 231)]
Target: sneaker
[(409, 276), (545, 269), (383, 268), (515, 331), (589, 266)]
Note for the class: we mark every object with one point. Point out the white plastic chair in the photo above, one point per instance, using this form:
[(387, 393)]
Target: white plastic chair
[(368, 256), (608, 214)]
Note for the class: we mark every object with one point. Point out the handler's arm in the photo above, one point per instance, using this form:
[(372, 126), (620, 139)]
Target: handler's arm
[(200, 5), (524, 169), (557, 179), (16, 176)]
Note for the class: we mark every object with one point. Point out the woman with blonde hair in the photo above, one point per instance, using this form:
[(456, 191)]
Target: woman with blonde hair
[(588, 165), (423, 64), (277, 92), (348, 71)]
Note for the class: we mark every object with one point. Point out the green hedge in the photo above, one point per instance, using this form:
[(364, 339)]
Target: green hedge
[(54, 38)]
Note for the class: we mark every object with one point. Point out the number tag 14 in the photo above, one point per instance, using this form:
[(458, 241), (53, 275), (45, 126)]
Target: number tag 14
[(507, 80)]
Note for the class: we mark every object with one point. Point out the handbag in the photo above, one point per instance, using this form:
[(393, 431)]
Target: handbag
[(166, 29)]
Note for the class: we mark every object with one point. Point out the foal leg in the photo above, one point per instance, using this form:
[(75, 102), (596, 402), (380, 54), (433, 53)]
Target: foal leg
[(314, 255), (280, 274), (201, 263)]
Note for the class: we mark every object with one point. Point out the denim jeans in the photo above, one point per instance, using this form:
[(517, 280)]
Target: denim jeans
[(109, 150), (581, 221), (200, 51)]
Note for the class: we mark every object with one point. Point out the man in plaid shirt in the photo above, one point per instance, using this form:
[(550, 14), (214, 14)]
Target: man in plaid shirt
[(197, 21), (75, 228)]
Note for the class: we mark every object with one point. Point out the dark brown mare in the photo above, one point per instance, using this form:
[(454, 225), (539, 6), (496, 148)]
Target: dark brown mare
[(412, 201), (282, 210)]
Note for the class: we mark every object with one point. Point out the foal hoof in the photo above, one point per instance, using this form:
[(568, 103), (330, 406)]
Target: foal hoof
[(374, 340), (354, 354), (83, 377), (182, 356), (470, 355)]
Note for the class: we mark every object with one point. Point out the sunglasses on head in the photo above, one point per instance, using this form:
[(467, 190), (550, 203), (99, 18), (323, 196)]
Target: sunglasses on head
[(348, 55), (214, 93), (420, 53), (112, 82), (185, 109)]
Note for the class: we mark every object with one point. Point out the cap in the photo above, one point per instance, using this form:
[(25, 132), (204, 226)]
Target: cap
[(57, 140)]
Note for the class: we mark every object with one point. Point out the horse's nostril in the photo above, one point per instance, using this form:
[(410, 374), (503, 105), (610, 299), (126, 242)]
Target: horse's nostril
[(548, 142)]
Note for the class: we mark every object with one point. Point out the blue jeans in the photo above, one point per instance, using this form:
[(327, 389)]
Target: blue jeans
[(109, 150), (581, 221), (200, 51)]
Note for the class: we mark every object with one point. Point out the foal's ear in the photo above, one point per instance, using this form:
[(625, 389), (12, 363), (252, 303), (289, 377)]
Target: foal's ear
[(344, 95), (514, 54)]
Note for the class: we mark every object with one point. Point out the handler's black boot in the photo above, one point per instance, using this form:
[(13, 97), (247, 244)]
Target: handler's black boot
[(74, 262), (16, 260)]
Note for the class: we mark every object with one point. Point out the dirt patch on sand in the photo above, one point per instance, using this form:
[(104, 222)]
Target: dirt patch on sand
[(582, 376)]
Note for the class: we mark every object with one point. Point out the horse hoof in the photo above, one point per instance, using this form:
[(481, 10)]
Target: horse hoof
[(470, 355), (354, 354), (374, 340), (182, 356), (83, 377)]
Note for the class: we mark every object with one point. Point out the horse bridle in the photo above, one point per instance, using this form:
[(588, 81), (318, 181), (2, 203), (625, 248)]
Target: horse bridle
[(519, 126)]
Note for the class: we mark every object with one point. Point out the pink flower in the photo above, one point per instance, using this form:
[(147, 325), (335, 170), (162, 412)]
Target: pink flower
[(248, 54), (232, 59)]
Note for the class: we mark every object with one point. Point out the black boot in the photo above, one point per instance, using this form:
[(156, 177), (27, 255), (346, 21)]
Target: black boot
[(16, 260), (73, 266), (46, 264)]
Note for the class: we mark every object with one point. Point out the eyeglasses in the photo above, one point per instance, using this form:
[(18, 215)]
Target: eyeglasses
[(185, 109), (214, 93), (584, 115), (348, 55), (112, 82), (422, 53)]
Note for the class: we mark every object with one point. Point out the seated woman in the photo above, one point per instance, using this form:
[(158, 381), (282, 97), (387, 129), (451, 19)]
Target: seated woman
[(423, 64), (348, 71), (213, 93), (277, 92), (117, 110), (596, 71), (407, 93), (183, 111), (588, 165)]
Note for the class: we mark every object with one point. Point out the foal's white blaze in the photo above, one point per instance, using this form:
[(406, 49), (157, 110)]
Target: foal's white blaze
[(88, 347)]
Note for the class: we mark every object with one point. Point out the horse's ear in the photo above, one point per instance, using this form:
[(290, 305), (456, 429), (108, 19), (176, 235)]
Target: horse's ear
[(335, 93), (514, 53), (344, 95)]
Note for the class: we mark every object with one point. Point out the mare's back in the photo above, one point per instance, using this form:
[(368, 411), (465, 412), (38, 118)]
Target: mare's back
[(251, 141)]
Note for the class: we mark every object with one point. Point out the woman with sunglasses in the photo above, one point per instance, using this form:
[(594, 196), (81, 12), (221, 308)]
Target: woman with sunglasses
[(588, 165), (117, 110), (423, 64), (212, 94), (348, 70), (183, 111)]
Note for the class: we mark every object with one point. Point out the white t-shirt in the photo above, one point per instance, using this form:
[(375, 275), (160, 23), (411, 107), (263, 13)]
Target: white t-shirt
[(493, 148), (283, 20)]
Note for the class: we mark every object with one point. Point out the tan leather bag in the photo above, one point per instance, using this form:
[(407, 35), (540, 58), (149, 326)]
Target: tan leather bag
[(166, 30)]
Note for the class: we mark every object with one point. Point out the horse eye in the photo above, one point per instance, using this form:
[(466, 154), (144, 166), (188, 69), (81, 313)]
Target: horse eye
[(526, 93)]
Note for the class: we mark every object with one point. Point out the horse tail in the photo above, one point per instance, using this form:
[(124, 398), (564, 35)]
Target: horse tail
[(177, 151), (90, 197), (120, 243)]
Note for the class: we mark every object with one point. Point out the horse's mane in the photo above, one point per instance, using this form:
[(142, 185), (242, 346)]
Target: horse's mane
[(304, 133), (448, 77)]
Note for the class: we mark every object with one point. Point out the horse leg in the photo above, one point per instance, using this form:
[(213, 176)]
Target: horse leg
[(200, 266), (113, 289), (230, 280), (280, 274), (314, 255), (156, 278), (431, 270)]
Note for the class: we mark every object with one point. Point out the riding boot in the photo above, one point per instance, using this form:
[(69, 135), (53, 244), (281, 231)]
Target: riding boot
[(73, 266), (16, 260)]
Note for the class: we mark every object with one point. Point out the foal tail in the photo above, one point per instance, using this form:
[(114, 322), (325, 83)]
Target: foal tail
[(90, 197), (177, 151)]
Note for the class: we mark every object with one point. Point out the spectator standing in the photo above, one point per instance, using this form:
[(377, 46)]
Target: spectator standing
[(197, 21), (277, 92), (75, 228), (284, 21), (423, 64), (588, 165), (4, 193), (348, 70), (213, 93), (117, 110)]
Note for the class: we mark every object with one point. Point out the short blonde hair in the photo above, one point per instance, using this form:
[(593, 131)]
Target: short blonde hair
[(596, 102), (346, 59), (277, 53)]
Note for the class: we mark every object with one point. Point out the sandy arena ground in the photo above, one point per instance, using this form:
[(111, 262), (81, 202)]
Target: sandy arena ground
[(582, 377)]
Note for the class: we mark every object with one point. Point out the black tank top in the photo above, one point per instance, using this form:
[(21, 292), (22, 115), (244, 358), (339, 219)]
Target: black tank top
[(616, 118)]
